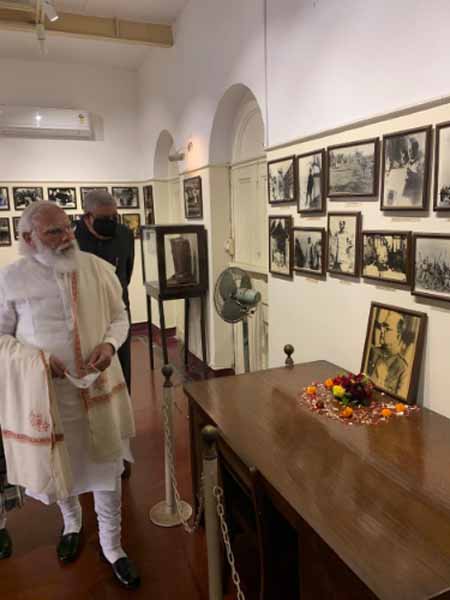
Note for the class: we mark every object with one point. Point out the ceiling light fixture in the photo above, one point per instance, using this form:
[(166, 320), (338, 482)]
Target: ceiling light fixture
[(48, 6)]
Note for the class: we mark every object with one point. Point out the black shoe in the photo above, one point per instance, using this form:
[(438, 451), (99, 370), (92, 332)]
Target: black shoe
[(125, 572), (69, 547), (5, 544)]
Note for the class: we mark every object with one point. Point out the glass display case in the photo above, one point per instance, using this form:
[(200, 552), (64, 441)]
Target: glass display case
[(174, 260)]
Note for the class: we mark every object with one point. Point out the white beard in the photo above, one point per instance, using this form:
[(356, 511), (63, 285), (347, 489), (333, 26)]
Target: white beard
[(63, 259)]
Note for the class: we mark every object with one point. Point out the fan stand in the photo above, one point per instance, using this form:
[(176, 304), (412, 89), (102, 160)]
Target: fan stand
[(246, 347)]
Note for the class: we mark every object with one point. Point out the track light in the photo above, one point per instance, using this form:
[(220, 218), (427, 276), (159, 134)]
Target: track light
[(48, 6)]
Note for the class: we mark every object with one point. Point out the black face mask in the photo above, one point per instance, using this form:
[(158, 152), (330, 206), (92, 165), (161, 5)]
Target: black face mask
[(105, 226)]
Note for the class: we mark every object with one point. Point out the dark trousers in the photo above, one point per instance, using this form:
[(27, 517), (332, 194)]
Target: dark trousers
[(124, 354)]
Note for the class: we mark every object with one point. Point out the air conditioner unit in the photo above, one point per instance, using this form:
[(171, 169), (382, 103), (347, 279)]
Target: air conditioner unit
[(50, 123)]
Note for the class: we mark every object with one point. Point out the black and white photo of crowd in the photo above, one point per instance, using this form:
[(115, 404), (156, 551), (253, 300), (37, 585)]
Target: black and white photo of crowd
[(280, 245), (351, 169), (126, 197), (386, 256), (65, 197), (432, 266), (24, 196), (442, 200), (4, 198), (405, 163), (310, 181), (5, 232), (281, 180), (308, 250)]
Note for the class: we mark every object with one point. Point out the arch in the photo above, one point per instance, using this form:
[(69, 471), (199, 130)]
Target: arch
[(237, 110), (162, 167)]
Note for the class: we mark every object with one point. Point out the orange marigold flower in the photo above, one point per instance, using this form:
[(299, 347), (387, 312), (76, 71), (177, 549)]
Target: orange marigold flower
[(400, 407), (346, 412), (329, 383), (386, 412), (311, 390)]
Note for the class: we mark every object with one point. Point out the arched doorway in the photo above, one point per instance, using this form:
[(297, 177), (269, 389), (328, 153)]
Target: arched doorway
[(238, 139)]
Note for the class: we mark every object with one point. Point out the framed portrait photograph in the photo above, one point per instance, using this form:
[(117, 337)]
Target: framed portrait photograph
[(344, 241), (133, 222), (64, 197), (442, 167), (15, 221), (148, 205), (311, 182), (431, 265), (282, 180), (352, 169), (24, 196), (4, 198), (5, 232), (404, 176), (84, 191), (280, 245), (393, 350), (126, 197), (193, 198), (386, 256), (309, 250)]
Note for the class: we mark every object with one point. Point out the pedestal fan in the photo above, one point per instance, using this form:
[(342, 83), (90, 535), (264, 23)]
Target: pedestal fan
[(236, 300)]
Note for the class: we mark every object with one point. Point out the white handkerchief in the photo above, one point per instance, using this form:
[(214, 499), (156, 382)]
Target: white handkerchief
[(83, 382)]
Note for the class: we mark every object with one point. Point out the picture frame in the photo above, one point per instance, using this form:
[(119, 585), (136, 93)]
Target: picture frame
[(4, 199), (24, 196), (126, 197), (386, 256), (282, 183), (344, 243), (405, 170), (353, 169), (309, 250), (84, 191), (75, 218), (441, 196), (133, 222), (280, 245), (15, 221), (5, 232), (193, 197), (431, 264), (393, 350), (64, 197), (149, 207), (311, 182)]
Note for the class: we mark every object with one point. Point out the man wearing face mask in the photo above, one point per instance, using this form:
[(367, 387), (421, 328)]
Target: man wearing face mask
[(100, 233)]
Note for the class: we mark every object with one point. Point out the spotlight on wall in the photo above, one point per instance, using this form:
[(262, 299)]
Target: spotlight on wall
[(48, 6), (176, 156)]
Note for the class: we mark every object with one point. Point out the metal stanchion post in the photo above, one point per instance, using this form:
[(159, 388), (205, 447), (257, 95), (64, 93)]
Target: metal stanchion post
[(209, 435), (167, 512)]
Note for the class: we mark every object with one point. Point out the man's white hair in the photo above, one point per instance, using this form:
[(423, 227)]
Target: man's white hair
[(27, 223)]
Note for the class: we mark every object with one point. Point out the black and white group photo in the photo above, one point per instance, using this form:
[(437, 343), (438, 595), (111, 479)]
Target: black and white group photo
[(126, 197), (65, 197), (24, 196), (5, 232), (442, 168), (280, 257), (432, 266), (405, 170), (309, 250), (311, 191), (343, 242), (4, 198), (281, 180), (386, 255), (353, 169)]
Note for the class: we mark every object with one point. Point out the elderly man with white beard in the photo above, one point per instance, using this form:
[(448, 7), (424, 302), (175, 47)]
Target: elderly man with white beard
[(65, 413)]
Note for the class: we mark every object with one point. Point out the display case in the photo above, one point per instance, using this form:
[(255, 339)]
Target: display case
[(174, 260)]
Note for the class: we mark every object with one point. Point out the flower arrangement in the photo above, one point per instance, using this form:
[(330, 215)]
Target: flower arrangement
[(351, 389)]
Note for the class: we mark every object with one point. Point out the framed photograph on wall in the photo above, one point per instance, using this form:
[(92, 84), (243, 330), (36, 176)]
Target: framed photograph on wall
[(393, 350), (126, 197), (15, 221), (282, 180), (24, 196), (133, 222), (5, 232), (352, 169), (404, 176), (65, 197), (431, 265), (309, 250), (193, 198), (311, 182), (149, 207), (442, 167), (386, 256), (280, 245), (344, 241), (4, 198), (84, 191)]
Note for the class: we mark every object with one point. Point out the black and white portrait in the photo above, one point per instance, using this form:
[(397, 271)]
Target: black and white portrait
[(393, 350), (84, 191), (149, 205), (280, 245), (309, 250), (5, 232), (16, 227), (193, 200), (311, 192), (24, 196), (4, 198), (432, 266), (353, 169), (442, 168), (281, 180), (405, 170), (126, 197), (386, 255), (344, 243), (65, 197)]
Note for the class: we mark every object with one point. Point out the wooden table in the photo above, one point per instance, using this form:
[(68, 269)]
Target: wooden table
[(378, 497)]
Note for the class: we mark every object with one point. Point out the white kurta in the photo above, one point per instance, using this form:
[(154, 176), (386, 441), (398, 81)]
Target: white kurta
[(45, 321)]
